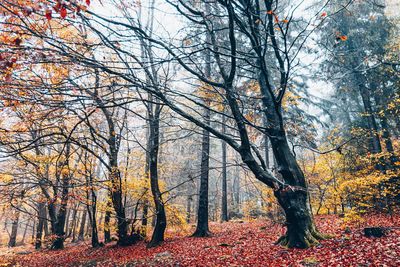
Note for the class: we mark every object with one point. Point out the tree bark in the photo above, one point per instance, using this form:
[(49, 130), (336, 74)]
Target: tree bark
[(25, 232), (91, 209), (107, 232), (40, 225), (202, 229), (385, 129), (372, 125), (81, 234), (161, 220), (59, 224), (14, 229), (73, 226), (293, 198), (224, 201)]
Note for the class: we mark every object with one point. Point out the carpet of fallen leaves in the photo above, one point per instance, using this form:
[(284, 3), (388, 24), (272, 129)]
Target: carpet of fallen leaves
[(237, 243)]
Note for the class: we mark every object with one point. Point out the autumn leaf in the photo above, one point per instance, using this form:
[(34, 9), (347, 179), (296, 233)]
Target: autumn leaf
[(63, 12), (48, 14)]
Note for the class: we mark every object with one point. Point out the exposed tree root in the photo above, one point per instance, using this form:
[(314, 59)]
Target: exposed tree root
[(129, 240), (301, 239), (201, 233)]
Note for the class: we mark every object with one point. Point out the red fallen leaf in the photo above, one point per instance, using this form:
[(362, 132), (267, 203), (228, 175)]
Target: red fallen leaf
[(88, 2), (63, 12), (48, 14), (323, 14)]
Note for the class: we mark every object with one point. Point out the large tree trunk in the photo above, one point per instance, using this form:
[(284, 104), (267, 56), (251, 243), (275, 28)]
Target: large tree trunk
[(293, 198), (301, 231), (161, 220)]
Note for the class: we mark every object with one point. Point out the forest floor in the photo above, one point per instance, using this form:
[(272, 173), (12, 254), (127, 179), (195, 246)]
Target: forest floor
[(236, 243)]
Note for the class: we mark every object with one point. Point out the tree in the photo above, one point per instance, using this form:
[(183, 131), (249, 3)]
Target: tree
[(244, 54)]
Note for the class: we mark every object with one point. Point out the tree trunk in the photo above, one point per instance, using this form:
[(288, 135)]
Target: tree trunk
[(293, 198), (224, 201), (385, 129), (188, 208), (58, 221), (25, 232), (266, 146), (74, 222), (46, 225), (67, 221), (161, 220), (236, 189), (81, 234), (59, 225), (14, 229), (202, 228), (372, 125), (116, 196), (92, 216), (107, 220), (40, 225), (115, 175)]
